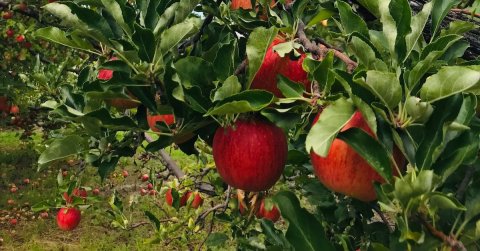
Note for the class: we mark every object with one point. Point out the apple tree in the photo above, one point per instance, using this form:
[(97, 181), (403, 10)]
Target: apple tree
[(354, 120)]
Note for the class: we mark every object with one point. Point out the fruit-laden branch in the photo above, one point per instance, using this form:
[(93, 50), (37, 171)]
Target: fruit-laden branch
[(449, 240), (321, 50), (29, 12)]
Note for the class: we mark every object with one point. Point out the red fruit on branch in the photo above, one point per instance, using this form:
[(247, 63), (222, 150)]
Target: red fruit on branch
[(14, 109), (169, 197), (81, 193), (125, 173), (68, 218), (196, 202), (144, 177), (96, 191), (153, 119), (13, 222), (150, 186), (345, 171), (273, 214), (251, 155), (273, 65), (143, 192), (13, 189), (7, 15), (26, 181), (245, 4), (10, 33), (44, 215), (20, 38)]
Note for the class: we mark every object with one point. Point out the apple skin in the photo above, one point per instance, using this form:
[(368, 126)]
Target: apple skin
[(4, 104), (273, 65), (245, 4), (10, 33), (68, 218), (272, 215), (345, 171), (82, 193), (197, 200), (250, 156), (14, 109), (169, 197), (144, 177), (153, 119)]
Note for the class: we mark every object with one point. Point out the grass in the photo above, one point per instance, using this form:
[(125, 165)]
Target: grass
[(95, 232)]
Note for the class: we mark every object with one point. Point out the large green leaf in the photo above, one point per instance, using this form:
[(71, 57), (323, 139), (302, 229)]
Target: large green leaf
[(366, 55), (385, 85), (246, 101), (304, 231), (417, 26), (94, 25), (351, 22), (448, 81), (62, 148), (177, 33), (334, 117), (117, 12), (440, 10), (289, 88), (370, 150), (58, 36), (144, 40), (257, 45), (402, 14), (230, 86), (389, 27)]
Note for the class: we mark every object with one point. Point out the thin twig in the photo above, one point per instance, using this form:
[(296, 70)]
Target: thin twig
[(464, 184), (382, 216), (222, 206), (466, 12), (241, 68), (321, 50), (448, 239)]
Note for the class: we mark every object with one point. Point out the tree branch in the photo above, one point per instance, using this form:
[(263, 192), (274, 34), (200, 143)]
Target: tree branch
[(241, 67), (465, 11), (321, 50), (449, 240), (462, 188)]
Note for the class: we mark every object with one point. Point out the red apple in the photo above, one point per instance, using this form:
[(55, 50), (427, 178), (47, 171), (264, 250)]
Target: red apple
[(44, 215), (245, 4), (196, 202), (14, 109), (20, 38), (273, 214), (13, 189), (251, 155), (152, 192), (7, 15), (64, 173), (345, 171), (144, 177), (10, 33), (153, 119), (143, 192), (96, 191), (68, 218), (26, 181), (13, 222), (125, 173), (82, 193), (273, 65), (150, 186), (27, 45), (169, 197)]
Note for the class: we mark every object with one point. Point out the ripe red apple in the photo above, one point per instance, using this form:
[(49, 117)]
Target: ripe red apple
[(273, 214), (245, 4), (13, 222), (68, 218), (153, 119), (144, 177), (14, 109), (20, 38), (10, 33), (169, 197), (7, 15), (143, 192), (251, 155), (345, 171), (96, 191), (125, 173), (273, 65), (13, 189), (26, 181), (150, 186), (196, 202), (82, 193)]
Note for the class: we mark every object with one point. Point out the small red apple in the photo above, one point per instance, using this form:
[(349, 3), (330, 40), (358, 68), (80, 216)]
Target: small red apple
[(344, 170), (153, 119), (125, 173), (14, 109), (251, 155), (26, 181), (44, 215), (144, 177), (196, 202), (143, 192), (7, 15), (96, 191), (10, 33), (13, 189), (169, 197), (22, 6), (10, 202), (13, 222), (20, 38), (68, 218), (273, 214), (152, 192), (64, 173), (150, 186)]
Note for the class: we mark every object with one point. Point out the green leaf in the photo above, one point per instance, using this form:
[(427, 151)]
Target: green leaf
[(449, 81), (402, 14), (351, 22), (145, 41), (54, 34), (230, 86), (321, 15), (370, 150), (366, 55), (417, 26), (321, 71), (177, 33), (195, 71), (371, 5), (440, 10), (246, 101), (94, 25), (289, 88), (216, 240), (153, 219), (62, 148), (439, 200), (257, 45), (459, 27), (274, 236), (385, 85), (334, 117), (389, 27), (472, 202), (116, 10), (304, 231)]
